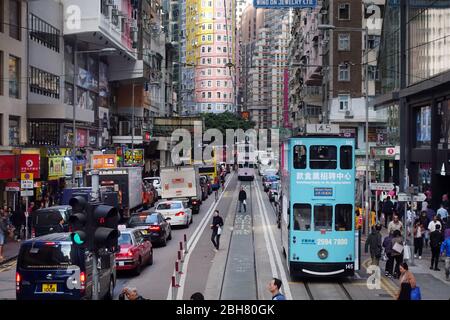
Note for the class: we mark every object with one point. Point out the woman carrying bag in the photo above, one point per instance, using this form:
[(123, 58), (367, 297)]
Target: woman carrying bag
[(408, 287)]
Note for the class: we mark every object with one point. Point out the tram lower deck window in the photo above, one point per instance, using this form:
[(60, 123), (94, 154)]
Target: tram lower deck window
[(343, 217), (323, 157), (323, 217), (302, 217)]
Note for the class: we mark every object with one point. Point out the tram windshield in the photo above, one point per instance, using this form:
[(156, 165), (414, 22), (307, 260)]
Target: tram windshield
[(323, 217)]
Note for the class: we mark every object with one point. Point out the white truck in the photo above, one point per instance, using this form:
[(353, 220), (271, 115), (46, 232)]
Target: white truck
[(182, 182)]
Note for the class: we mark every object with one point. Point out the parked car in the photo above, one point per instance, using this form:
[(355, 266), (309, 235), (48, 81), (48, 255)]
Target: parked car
[(156, 182), (274, 191), (177, 210), (267, 180), (153, 225), (53, 267), (45, 221), (135, 251)]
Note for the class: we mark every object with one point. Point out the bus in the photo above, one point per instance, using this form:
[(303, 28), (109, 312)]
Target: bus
[(211, 171), (246, 159), (317, 214)]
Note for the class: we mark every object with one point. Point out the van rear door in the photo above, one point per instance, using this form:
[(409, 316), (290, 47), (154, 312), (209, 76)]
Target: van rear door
[(50, 270)]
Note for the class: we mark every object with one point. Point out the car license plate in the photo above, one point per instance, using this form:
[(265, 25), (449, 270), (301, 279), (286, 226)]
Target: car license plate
[(49, 287), (121, 263)]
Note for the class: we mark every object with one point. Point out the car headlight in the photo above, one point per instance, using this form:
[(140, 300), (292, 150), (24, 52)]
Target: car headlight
[(323, 254)]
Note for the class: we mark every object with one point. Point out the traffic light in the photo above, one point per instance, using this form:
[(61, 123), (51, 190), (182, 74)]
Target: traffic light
[(79, 221), (105, 221)]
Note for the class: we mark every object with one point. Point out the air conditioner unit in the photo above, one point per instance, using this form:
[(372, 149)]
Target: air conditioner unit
[(349, 114)]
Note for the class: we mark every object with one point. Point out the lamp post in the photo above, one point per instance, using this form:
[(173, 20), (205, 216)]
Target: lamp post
[(75, 74), (365, 32)]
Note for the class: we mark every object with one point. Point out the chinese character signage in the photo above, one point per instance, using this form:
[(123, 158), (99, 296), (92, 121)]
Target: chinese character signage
[(56, 167), (29, 163), (323, 177), (104, 161), (137, 160), (274, 4)]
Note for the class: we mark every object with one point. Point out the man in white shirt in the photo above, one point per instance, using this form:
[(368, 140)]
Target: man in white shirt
[(432, 224), (395, 224), (443, 212)]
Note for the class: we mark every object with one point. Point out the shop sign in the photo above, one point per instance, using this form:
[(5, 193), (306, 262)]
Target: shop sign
[(82, 138), (26, 180), (56, 167), (136, 160), (30, 163), (104, 161), (8, 169), (12, 186)]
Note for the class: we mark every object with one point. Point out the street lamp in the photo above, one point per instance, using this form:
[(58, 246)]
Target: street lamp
[(75, 74), (366, 88)]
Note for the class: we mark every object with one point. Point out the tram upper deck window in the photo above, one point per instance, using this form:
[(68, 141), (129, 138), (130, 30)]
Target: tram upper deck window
[(323, 157), (343, 217), (302, 217), (346, 157), (299, 157), (323, 217)]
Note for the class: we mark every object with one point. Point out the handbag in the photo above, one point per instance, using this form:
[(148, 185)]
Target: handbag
[(398, 247), (219, 230), (244, 202), (407, 252), (416, 294)]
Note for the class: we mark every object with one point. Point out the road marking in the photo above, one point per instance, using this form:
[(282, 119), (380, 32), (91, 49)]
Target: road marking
[(387, 285), (192, 243), (267, 228)]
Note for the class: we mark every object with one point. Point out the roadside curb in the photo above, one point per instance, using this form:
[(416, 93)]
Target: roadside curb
[(8, 260)]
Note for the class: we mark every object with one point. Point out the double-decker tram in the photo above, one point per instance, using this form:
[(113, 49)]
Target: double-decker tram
[(317, 205), (246, 160)]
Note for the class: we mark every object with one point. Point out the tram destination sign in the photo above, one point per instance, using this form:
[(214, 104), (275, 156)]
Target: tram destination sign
[(323, 192), (381, 186), (280, 4)]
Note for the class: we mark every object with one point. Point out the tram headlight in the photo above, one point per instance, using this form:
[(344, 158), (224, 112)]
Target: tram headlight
[(323, 254)]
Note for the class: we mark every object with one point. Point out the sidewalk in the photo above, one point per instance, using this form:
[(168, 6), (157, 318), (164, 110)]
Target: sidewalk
[(433, 285), (10, 251)]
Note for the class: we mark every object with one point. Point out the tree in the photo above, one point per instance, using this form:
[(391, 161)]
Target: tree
[(226, 120)]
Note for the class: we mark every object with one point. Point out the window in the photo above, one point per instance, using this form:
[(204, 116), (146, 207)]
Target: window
[(218, 60), (203, 61), (423, 126), (203, 49), (218, 83), (14, 131), (323, 157), (346, 157), (224, 49), (209, 83), (44, 83), (344, 42), (68, 93), (209, 95), (344, 102), (209, 49), (225, 83), (374, 41), (299, 157), (2, 14), (209, 72), (302, 217), (15, 15), (219, 26), (219, 38), (344, 72), (343, 217), (323, 217), (209, 37), (344, 11), (209, 60), (203, 38), (14, 77), (373, 73), (218, 95), (58, 256), (209, 26), (203, 95)]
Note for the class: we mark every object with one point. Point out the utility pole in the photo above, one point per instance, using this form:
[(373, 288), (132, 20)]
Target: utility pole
[(132, 123), (366, 85), (75, 98)]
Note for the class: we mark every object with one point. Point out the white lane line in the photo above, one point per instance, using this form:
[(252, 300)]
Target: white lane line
[(193, 242), (284, 278)]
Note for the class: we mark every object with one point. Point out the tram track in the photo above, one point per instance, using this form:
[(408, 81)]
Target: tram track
[(326, 290)]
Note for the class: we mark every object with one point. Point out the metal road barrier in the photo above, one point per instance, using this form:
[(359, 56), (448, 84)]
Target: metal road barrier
[(177, 274)]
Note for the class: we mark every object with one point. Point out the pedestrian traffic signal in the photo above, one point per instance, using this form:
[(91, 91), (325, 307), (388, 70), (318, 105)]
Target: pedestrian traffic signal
[(105, 222), (79, 221)]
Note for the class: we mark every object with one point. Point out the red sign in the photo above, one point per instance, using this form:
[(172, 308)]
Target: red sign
[(8, 169), (30, 163), (147, 136), (82, 138), (12, 186)]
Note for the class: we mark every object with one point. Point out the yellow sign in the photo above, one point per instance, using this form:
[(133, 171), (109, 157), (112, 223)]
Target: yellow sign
[(26, 176), (104, 161), (56, 167)]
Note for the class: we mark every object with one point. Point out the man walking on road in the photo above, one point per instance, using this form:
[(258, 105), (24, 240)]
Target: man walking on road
[(395, 224), (374, 242), (216, 230), (242, 200), (274, 288), (436, 239)]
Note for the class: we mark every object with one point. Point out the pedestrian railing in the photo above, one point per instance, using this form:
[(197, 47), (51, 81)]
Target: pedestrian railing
[(178, 273)]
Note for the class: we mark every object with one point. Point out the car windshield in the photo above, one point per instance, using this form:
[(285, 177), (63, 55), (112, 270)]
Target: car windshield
[(49, 255), (47, 217), (142, 220), (125, 238), (274, 186), (169, 206), (272, 178)]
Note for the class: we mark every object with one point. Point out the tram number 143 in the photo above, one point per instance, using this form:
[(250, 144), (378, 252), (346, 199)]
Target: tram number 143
[(329, 242)]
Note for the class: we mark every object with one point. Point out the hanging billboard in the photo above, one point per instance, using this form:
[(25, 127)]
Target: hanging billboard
[(281, 4)]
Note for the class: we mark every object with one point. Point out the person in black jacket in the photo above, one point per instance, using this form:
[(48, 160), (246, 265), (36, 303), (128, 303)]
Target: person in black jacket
[(242, 198), (388, 210), (436, 239), (374, 242), (216, 230)]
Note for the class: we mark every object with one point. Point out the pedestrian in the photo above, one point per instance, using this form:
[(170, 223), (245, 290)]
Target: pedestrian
[(410, 219), (216, 230), (445, 247), (397, 251), (374, 242), (222, 180), (3, 232), (432, 225), (419, 232), (18, 221), (197, 296), (60, 226), (274, 288), (242, 199), (436, 239), (387, 245), (130, 294), (387, 210), (430, 212), (407, 282), (395, 224), (442, 211)]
